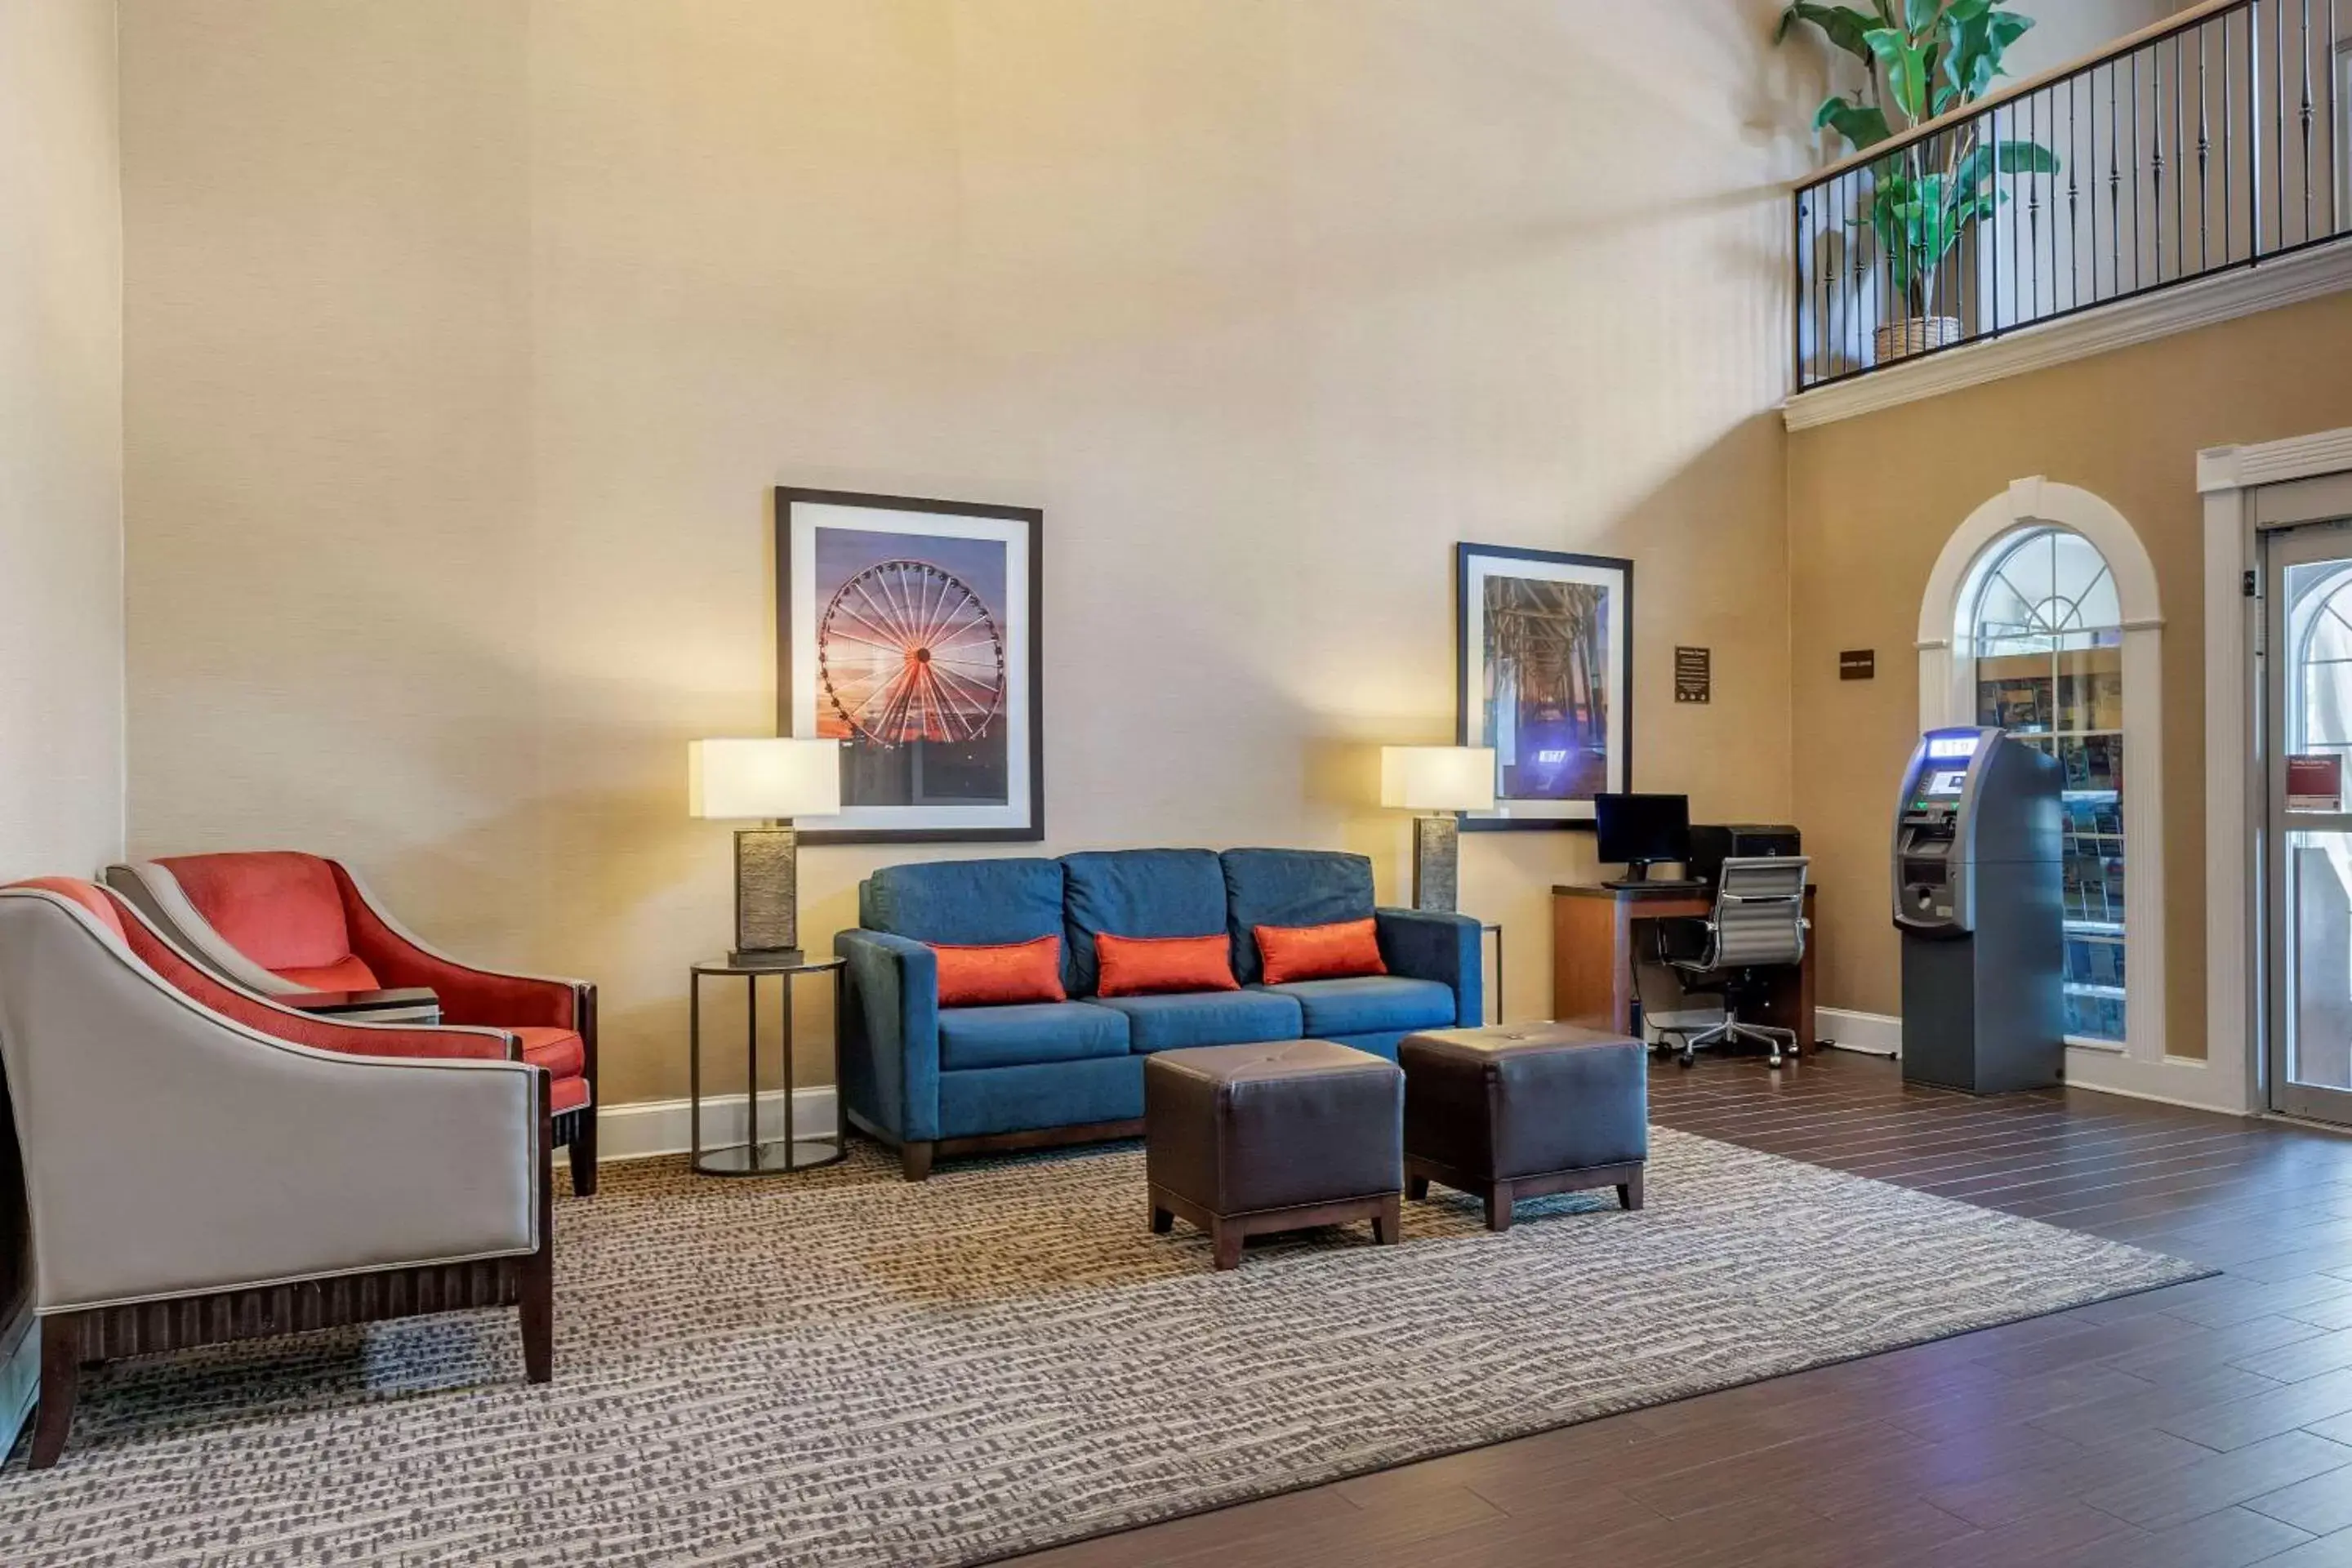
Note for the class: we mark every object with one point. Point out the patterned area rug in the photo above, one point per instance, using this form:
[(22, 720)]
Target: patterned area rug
[(841, 1369)]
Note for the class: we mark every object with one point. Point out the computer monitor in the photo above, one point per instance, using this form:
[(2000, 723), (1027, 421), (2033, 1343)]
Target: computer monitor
[(1640, 830)]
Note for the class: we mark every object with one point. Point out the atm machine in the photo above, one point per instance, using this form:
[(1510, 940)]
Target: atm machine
[(1978, 858)]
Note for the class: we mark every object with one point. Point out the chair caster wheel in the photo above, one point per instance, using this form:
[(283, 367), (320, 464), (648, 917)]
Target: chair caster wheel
[(1686, 1061)]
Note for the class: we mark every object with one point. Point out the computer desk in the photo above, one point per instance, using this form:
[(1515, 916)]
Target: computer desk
[(1596, 933)]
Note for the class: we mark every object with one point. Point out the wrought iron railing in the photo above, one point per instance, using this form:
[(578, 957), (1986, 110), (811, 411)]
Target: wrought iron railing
[(2219, 140)]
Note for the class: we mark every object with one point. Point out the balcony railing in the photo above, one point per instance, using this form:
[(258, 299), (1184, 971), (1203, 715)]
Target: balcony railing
[(2213, 141)]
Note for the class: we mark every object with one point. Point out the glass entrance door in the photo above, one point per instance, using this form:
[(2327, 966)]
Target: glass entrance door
[(2308, 755)]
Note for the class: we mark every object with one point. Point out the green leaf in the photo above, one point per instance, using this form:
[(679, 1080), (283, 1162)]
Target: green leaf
[(2006, 158), (1862, 124), (1906, 70), (1844, 25), (1920, 15)]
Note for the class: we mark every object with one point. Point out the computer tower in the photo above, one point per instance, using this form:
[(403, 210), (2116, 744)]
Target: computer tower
[(1710, 846)]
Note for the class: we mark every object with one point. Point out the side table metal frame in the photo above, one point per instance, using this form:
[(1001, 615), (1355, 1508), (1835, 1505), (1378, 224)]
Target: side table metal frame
[(752, 1157)]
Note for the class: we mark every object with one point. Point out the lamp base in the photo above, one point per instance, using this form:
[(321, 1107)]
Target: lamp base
[(1436, 864), (767, 890), (767, 958)]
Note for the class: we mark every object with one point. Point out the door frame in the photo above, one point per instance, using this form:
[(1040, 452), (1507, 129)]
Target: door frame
[(2247, 490), (2283, 548)]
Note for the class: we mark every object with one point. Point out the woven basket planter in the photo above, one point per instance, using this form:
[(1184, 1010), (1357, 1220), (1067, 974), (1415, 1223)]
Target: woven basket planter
[(1900, 340)]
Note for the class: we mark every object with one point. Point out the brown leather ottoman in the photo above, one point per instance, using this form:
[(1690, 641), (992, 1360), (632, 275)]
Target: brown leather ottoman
[(1245, 1140), (1518, 1111)]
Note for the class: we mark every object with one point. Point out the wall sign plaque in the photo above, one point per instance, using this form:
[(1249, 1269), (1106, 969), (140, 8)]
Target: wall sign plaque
[(1694, 674), (1858, 664)]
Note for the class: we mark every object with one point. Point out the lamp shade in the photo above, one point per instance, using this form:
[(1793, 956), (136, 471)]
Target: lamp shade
[(1438, 778), (737, 780)]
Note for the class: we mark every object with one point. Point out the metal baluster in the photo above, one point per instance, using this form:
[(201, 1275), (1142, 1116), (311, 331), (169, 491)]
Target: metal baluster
[(2278, 109), (1797, 299), (2229, 129), (2335, 136), (2253, 133), (2204, 162), (2115, 180), (2139, 240), (2074, 197), (2156, 127), (2304, 51), (2180, 144), (1858, 252), (2032, 207)]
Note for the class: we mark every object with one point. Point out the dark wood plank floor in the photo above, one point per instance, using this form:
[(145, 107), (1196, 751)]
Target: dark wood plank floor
[(2206, 1425)]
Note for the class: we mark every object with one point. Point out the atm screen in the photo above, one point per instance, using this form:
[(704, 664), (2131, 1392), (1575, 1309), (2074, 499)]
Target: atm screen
[(1945, 781)]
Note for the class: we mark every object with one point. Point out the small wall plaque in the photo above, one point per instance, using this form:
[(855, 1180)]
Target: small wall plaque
[(1694, 674), (1858, 664)]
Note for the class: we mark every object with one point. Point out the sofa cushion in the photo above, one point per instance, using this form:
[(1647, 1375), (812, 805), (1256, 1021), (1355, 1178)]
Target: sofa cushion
[(1022, 1036), (1369, 1004), (1180, 1019), (280, 909), (1338, 952), (967, 903), (1290, 888), (351, 975), (1142, 893), (559, 1051)]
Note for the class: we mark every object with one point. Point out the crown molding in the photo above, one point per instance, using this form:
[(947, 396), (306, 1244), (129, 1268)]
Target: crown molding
[(2288, 280)]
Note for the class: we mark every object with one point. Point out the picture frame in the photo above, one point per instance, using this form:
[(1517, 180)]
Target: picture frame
[(1543, 662), (909, 628)]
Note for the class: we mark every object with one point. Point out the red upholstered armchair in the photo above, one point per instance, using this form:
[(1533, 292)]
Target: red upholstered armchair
[(280, 923), (203, 1164)]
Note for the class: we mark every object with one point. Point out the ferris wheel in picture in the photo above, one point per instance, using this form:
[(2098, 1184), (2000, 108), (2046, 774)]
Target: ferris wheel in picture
[(905, 651)]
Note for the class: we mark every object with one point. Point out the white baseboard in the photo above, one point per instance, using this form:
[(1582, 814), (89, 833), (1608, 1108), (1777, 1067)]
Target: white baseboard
[(1872, 1034), (657, 1127), (2174, 1081)]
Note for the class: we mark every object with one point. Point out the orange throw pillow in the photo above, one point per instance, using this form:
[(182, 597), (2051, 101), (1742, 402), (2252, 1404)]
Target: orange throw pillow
[(1140, 965), (1334, 951), (995, 977)]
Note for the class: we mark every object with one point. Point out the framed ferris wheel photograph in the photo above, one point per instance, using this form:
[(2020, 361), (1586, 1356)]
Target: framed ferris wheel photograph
[(1544, 645), (907, 630)]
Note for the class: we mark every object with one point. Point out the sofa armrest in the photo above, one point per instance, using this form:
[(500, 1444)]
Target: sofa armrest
[(1423, 945), (169, 1149), (890, 1038)]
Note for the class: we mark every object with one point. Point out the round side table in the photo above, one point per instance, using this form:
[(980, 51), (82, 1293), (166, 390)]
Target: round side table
[(755, 1156)]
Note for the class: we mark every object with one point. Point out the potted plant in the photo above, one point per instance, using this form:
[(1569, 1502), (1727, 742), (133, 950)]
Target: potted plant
[(1922, 59)]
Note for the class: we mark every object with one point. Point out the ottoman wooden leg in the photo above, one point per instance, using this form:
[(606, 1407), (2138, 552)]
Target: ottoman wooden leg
[(1498, 1206), (1417, 1188), (1388, 1224), (1225, 1240), (1162, 1222), (1629, 1192)]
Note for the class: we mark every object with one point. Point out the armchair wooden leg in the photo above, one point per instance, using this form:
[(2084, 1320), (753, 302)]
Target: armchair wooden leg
[(915, 1161), (61, 1382), (537, 1305), (583, 1152)]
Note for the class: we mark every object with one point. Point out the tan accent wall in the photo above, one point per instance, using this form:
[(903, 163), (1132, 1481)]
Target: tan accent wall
[(1871, 501), (467, 337), (60, 440)]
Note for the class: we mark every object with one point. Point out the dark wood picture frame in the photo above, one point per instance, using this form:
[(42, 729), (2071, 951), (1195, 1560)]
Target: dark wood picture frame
[(1467, 625), (1034, 830)]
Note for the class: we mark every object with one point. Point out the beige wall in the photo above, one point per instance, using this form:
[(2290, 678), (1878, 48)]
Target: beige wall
[(1871, 501), (467, 337), (60, 440)]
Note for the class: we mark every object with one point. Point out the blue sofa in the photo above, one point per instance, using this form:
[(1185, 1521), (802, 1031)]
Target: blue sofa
[(934, 1080)]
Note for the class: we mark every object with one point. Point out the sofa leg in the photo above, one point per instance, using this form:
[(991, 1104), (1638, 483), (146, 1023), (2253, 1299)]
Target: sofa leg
[(61, 1382), (1162, 1222), (582, 1153), (538, 1307), (1388, 1225), (1417, 1188), (915, 1161)]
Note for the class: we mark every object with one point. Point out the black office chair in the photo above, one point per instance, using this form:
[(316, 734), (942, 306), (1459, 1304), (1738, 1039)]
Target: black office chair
[(1759, 923)]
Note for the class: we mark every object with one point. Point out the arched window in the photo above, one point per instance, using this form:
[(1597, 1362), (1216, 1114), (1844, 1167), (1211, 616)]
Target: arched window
[(2041, 618)]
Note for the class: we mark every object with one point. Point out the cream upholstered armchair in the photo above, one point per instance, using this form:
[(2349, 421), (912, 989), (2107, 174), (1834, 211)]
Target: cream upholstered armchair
[(201, 1165), (280, 923)]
